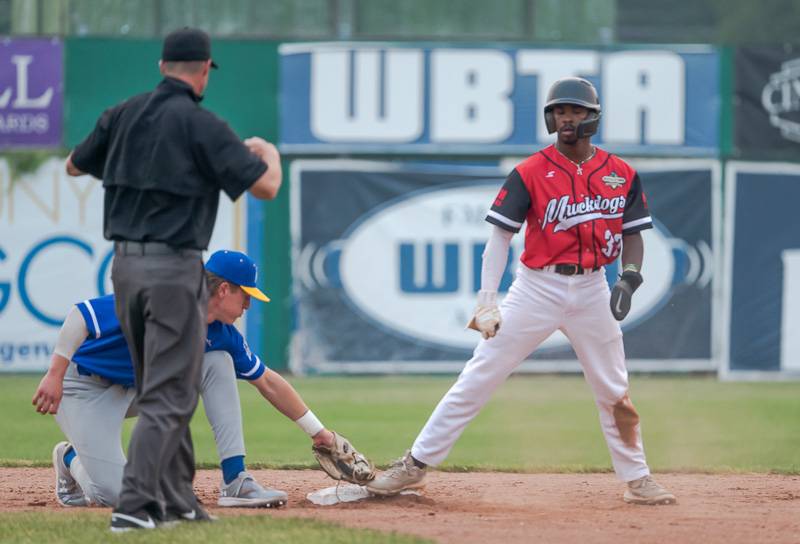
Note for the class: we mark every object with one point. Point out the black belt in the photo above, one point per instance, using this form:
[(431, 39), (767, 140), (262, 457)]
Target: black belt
[(568, 269), (126, 247)]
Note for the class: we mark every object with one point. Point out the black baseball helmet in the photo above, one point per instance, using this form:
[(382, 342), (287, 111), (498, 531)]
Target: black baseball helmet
[(576, 91)]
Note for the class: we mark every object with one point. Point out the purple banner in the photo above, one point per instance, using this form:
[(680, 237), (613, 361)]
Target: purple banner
[(31, 92)]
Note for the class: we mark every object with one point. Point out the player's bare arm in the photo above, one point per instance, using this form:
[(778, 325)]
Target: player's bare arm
[(280, 394), (336, 455), (633, 250), (48, 395)]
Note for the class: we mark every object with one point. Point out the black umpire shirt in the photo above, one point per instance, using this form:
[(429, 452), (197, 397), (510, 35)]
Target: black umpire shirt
[(163, 160)]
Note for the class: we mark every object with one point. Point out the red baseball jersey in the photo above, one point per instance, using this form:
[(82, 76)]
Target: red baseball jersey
[(575, 214)]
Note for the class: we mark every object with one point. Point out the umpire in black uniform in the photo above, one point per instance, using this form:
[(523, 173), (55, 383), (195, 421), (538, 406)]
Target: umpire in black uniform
[(163, 160)]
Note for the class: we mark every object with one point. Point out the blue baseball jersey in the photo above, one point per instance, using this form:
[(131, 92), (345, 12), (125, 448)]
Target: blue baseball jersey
[(105, 351)]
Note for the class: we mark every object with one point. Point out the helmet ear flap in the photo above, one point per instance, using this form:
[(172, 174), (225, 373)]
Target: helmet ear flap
[(550, 121), (588, 126)]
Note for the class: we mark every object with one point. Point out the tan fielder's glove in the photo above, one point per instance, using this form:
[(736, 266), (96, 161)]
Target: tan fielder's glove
[(486, 319), (344, 462)]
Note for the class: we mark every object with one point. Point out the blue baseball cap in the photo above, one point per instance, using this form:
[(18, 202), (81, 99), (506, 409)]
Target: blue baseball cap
[(237, 268)]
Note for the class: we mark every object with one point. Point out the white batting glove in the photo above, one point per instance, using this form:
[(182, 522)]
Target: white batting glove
[(486, 318)]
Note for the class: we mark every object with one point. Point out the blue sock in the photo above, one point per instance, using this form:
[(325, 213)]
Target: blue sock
[(69, 456), (231, 467)]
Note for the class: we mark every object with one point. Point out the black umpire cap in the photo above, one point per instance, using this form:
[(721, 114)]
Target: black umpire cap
[(187, 44)]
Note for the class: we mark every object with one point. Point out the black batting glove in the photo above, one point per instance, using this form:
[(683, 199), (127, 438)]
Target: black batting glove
[(623, 290)]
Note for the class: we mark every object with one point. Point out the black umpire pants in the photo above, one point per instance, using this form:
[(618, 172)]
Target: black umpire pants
[(161, 303)]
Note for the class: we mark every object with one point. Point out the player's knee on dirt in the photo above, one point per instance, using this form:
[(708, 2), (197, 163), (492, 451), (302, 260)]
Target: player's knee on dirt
[(626, 419)]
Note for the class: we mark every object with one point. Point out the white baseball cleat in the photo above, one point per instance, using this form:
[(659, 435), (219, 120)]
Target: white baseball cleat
[(403, 474), (245, 492), (646, 491)]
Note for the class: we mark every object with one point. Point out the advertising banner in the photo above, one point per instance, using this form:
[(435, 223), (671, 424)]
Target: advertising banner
[(388, 256), (53, 254), (767, 102), (393, 98), (762, 288), (31, 92)]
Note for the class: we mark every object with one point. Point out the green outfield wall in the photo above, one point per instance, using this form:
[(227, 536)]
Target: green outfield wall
[(100, 72)]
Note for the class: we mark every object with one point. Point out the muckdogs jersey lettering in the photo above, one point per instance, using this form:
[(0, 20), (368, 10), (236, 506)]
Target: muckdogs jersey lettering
[(575, 215), (105, 351)]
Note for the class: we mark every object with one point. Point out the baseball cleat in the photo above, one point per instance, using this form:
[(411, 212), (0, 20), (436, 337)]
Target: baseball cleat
[(197, 514), (121, 522), (646, 491), (245, 492), (68, 492), (402, 475)]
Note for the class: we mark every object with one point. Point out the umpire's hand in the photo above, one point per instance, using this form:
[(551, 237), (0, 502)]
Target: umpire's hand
[(262, 148)]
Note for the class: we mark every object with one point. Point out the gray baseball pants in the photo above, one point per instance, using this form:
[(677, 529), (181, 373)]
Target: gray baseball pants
[(92, 411), (161, 304)]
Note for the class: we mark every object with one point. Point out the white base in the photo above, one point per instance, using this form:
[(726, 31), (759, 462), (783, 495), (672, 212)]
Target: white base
[(345, 493)]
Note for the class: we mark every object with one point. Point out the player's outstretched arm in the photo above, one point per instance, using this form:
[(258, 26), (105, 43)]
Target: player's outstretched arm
[(287, 400), (335, 454), (280, 394)]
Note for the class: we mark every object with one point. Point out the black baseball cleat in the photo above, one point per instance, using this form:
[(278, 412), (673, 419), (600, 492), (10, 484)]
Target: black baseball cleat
[(198, 513), (123, 521)]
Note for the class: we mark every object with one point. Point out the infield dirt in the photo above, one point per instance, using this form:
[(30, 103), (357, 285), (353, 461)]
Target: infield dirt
[(493, 507)]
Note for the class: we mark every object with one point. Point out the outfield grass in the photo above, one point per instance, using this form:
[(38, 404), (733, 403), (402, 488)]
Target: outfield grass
[(92, 527), (544, 423)]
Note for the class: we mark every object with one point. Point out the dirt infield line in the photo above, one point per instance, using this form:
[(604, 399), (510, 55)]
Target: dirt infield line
[(499, 507)]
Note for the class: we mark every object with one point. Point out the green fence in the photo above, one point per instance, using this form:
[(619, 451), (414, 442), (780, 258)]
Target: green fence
[(244, 92)]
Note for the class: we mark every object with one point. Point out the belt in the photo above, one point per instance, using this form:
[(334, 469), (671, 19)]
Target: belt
[(126, 247), (568, 269)]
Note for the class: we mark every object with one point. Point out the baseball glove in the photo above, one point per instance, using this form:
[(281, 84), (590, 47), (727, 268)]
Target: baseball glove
[(343, 462)]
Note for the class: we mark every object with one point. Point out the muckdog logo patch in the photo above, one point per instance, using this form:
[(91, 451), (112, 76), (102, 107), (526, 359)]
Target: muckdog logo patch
[(565, 214), (613, 180)]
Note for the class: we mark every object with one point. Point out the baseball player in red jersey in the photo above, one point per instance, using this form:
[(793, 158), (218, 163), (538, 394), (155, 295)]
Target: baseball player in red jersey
[(584, 208)]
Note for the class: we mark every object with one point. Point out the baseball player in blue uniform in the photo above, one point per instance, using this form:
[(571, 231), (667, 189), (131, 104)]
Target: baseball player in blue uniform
[(89, 388)]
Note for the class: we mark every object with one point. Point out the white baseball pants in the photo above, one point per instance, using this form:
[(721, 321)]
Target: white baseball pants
[(538, 304)]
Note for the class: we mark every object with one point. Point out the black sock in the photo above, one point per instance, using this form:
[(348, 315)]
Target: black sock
[(418, 464)]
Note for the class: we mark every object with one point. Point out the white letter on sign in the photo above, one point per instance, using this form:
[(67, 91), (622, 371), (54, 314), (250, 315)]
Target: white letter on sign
[(470, 96), (643, 87), (23, 100), (550, 66), (790, 318), (375, 98)]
